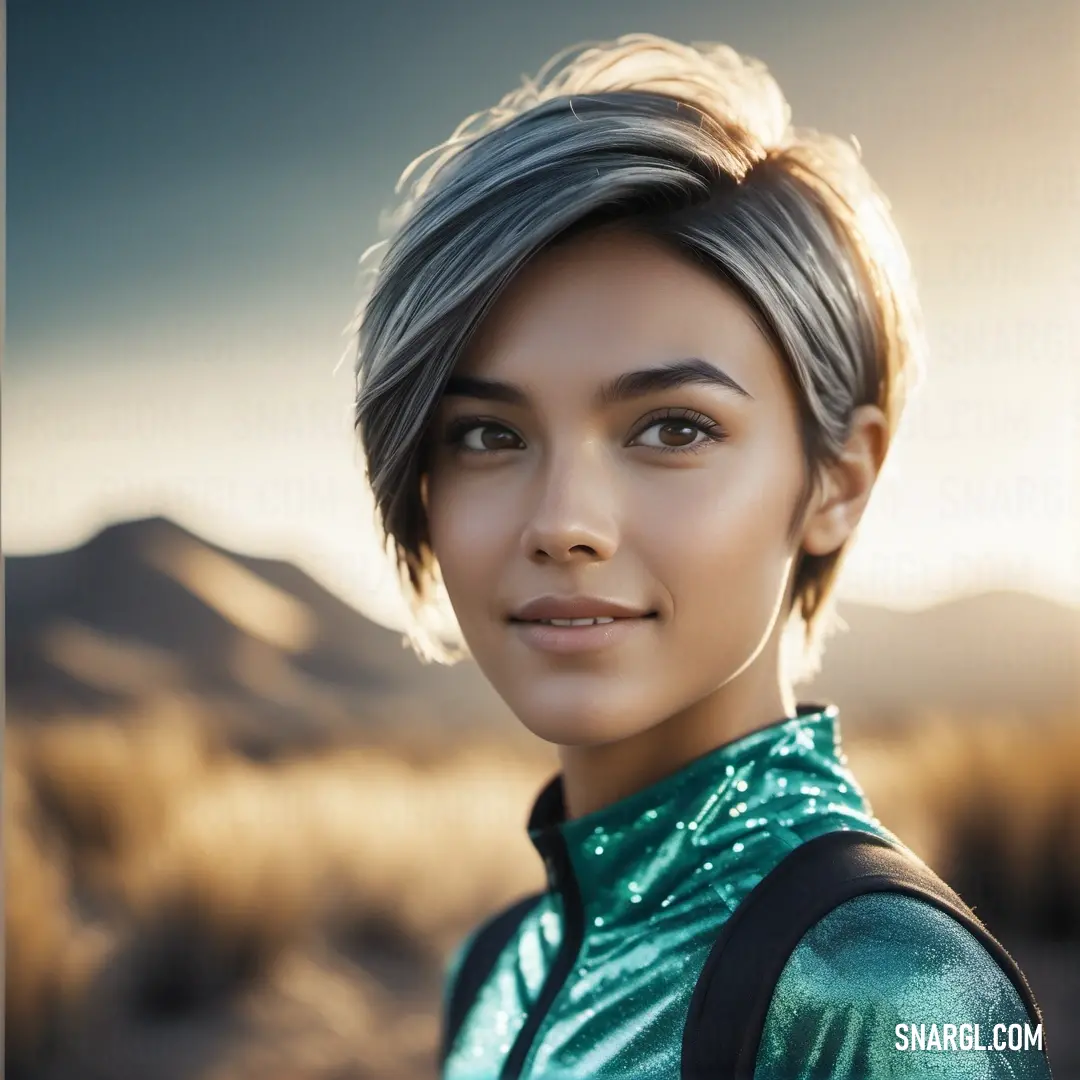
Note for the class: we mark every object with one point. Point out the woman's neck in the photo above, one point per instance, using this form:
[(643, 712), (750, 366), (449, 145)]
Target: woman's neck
[(596, 776)]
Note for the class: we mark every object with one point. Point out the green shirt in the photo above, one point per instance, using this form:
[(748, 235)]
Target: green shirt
[(596, 982)]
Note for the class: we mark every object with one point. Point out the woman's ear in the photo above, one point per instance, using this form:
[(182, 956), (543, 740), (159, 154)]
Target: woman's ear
[(846, 483), (424, 491)]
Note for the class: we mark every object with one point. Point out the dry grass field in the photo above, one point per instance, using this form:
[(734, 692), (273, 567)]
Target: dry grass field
[(175, 910)]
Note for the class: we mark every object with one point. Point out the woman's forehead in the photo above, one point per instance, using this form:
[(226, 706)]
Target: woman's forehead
[(606, 305)]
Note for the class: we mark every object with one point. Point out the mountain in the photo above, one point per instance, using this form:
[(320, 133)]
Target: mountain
[(146, 607), (1001, 652)]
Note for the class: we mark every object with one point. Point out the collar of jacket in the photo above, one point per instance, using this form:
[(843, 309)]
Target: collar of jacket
[(698, 827)]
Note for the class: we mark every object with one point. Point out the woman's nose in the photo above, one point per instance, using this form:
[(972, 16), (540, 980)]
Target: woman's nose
[(574, 509)]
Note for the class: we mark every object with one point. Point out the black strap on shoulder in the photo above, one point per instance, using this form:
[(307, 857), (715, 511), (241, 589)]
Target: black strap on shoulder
[(477, 964), (732, 996)]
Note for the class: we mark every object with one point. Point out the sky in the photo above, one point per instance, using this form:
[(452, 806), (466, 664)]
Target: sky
[(190, 187)]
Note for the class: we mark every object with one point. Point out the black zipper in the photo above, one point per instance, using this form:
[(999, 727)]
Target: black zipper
[(553, 848)]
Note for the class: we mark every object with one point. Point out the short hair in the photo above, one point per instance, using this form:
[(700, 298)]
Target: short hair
[(691, 145)]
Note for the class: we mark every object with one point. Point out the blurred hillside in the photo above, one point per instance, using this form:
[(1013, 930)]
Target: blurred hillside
[(244, 826), (146, 607)]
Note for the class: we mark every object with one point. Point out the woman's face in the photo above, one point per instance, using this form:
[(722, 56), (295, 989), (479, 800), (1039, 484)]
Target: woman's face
[(672, 500)]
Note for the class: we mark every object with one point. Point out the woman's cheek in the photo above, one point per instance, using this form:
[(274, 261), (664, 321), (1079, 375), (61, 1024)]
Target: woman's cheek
[(722, 552), (468, 534)]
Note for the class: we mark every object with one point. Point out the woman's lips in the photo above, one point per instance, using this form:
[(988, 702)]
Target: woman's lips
[(573, 639)]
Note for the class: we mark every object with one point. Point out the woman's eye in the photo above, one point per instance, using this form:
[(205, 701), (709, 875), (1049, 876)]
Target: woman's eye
[(491, 437), (677, 433), (674, 435), (482, 437)]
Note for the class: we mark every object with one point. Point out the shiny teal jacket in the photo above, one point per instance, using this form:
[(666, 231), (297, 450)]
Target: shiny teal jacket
[(657, 874)]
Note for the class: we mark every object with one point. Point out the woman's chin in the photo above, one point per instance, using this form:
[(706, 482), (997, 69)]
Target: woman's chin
[(578, 725)]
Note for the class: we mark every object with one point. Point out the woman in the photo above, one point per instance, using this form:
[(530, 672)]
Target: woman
[(630, 368)]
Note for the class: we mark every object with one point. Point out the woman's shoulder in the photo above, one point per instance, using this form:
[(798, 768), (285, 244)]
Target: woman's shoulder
[(870, 988), (495, 931)]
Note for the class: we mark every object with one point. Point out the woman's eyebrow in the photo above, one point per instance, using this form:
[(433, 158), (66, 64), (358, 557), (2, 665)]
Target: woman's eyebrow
[(630, 384)]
